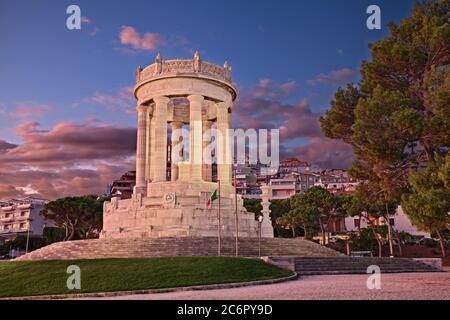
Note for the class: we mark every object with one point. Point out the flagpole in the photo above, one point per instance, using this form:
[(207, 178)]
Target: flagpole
[(218, 226), (236, 214)]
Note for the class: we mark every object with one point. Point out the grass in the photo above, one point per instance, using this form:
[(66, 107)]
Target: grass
[(29, 278)]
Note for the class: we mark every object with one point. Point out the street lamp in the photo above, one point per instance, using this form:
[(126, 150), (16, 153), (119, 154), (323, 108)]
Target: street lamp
[(28, 237), (260, 220)]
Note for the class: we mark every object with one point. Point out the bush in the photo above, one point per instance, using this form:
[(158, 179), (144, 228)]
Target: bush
[(54, 234), (363, 242), (429, 243), (20, 243), (50, 235)]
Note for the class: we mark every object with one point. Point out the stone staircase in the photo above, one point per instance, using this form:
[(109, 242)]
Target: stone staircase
[(163, 247), (357, 265)]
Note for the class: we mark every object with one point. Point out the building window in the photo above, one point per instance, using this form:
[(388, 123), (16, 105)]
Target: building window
[(22, 226), (392, 221), (357, 223)]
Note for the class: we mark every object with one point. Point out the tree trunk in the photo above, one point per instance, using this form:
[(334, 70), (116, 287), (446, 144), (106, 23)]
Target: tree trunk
[(388, 217), (380, 250), (399, 244), (66, 228), (305, 229), (293, 232), (359, 224), (72, 227), (322, 230), (441, 243), (330, 218), (72, 233)]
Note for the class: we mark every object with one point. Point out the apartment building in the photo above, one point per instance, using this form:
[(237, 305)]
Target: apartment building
[(20, 217), (335, 181), (124, 185), (282, 188)]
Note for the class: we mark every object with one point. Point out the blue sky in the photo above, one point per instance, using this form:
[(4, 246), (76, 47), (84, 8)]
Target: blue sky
[(288, 58), (44, 63)]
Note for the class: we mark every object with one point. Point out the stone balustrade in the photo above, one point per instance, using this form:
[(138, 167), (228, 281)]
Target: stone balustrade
[(166, 68)]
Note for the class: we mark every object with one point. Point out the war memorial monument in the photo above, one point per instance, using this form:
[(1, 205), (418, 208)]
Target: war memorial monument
[(168, 213), (171, 200)]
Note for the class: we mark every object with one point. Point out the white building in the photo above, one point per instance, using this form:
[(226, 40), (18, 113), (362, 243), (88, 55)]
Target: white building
[(399, 221), (20, 216), (282, 188)]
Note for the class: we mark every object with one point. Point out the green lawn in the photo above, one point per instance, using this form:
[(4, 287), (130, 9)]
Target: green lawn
[(26, 278)]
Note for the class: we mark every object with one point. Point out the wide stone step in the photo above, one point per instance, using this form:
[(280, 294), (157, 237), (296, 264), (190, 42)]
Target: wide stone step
[(208, 246), (361, 268), (343, 272), (352, 265)]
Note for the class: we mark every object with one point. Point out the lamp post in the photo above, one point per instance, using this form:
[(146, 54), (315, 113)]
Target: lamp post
[(260, 220), (28, 237), (236, 215), (219, 224)]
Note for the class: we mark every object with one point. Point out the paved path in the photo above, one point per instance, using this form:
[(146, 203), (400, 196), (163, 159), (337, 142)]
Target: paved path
[(393, 286)]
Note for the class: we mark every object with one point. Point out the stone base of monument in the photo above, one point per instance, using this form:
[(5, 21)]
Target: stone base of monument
[(187, 246), (181, 213)]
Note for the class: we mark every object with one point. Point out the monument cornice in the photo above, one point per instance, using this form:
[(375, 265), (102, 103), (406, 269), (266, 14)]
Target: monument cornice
[(194, 69)]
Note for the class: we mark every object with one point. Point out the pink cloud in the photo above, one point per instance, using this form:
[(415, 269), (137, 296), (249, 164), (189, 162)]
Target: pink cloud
[(268, 88), (86, 20), (147, 42), (121, 100), (6, 145), (26, 111), (70, 158), (326, 153), (334, 78), (259, 108), (91, 28)]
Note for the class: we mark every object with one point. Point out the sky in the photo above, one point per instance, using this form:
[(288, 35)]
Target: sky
[(67, 114)]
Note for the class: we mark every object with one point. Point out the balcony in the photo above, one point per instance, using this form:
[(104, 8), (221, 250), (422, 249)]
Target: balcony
[(15, 230), (22, 218), (24, 206)]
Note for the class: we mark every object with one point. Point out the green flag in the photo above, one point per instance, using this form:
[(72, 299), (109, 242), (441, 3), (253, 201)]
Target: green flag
[(211, 199)]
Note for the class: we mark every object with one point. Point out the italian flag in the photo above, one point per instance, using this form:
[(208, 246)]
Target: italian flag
[(211, 199)]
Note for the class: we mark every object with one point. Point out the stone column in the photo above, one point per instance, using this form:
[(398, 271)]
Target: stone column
[(223, 161), (159, 156), (148, 144), (207, 163), (141, 149), (151, 146), (176, 144), (266, 227), (195, 136), (229, 154)]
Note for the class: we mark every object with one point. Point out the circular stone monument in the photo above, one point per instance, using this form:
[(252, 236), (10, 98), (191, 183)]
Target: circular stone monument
[(171, 200)]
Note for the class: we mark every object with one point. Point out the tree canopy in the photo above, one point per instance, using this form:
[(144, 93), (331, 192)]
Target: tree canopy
[(81, 217), (428, 203), (397, 119)]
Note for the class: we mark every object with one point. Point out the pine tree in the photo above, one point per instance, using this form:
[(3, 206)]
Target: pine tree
[(398, 118)]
